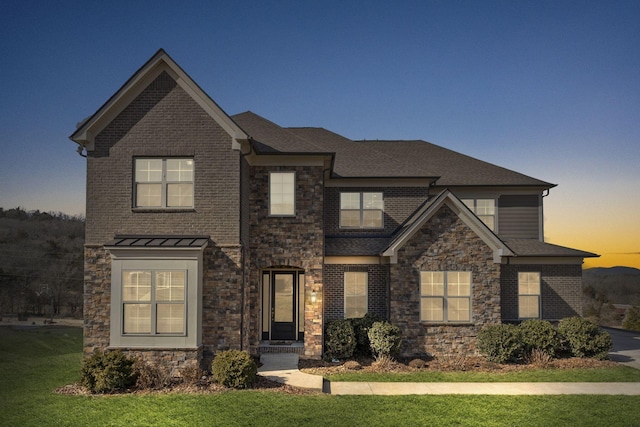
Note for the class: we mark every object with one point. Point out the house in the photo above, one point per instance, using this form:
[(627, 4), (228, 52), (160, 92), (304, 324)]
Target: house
[(206, 231)]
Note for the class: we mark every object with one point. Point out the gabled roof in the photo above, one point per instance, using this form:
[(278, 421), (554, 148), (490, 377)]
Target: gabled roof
[(381, 159), (159, 62), (417, 220)]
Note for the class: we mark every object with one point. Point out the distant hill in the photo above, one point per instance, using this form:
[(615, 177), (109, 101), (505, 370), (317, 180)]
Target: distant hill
[(607, 271), (41, 256), (621, 285)]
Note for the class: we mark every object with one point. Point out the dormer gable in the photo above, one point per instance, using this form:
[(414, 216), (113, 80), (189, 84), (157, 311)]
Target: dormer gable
[(422, 215), (159, 63)]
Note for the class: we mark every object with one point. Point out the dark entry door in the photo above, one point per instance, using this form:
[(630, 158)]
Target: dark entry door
[(283, 309)]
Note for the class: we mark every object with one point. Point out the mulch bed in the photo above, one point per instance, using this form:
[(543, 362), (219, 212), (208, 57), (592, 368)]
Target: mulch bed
[(445, 364), (319, 367)]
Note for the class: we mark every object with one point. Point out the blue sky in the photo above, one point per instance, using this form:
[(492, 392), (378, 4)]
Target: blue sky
[(550, 89)]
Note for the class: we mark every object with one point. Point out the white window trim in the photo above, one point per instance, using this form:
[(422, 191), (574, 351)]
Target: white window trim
[(362, 210), (538, 295), (190, 260), (295, 178), (163, 184), (366, 292), (445, 297)]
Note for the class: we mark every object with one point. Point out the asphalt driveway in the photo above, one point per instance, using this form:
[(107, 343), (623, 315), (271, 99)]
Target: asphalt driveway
[(626, 347)]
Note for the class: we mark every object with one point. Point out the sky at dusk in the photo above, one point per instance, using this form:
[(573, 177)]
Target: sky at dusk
[(547, 88)]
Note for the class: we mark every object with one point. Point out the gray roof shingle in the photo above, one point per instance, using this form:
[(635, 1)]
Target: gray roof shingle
[(531, 247), (381, 159)]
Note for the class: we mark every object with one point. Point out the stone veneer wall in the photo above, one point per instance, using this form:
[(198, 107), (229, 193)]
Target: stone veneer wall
[(97, 298), (377, 289), (296, 242), (221, 311), (445, 243), (222, 300), (561, 290)]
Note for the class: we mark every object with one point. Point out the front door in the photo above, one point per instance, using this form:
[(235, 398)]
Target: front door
[(283, 306)]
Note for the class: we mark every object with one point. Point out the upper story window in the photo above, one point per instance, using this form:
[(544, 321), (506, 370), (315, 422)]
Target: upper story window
[(485, 209), (282, 193), (445, 296), (361, 210), (528, 295), (163, 183)]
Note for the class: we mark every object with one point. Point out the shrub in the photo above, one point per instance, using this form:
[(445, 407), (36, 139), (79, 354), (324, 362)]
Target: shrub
[(234, 368), (352, 365), (106, 372), (361, 329), (585, 338), (632, 319), (541, 335), (417, 364), (385, 339), (149, 376), (340, 340), (500, 343)]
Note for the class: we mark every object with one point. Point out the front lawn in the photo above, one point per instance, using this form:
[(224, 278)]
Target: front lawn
[(34, 362)]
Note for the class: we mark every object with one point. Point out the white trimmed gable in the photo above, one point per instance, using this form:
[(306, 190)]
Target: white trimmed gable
[(159, 63), (421, 216)]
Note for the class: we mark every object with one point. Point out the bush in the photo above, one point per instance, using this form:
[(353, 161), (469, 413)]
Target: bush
[(108, 372), (361, 329), (417, 364), (385, 339), (585, 338), (541, 335), (150, 376), (351, 365), (340, 339), (500, 343), (234, 368), (632, 319)]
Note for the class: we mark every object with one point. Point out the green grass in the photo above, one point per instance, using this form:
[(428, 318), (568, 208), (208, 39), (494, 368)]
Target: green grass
[(33, 362), (617, 374)]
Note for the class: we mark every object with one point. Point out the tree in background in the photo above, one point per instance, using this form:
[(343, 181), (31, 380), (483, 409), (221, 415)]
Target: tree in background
[(37, 249)]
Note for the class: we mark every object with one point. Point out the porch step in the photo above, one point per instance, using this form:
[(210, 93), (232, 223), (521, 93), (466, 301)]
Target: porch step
[(295, 347)]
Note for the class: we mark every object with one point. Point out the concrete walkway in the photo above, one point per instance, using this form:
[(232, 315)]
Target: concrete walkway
[(283, 368)]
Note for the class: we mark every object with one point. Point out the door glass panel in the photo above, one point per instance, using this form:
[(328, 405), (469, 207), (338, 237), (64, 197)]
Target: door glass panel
[(283, 304)]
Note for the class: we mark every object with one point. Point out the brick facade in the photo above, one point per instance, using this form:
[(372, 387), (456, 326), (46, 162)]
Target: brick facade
[(399, 203), (163, 121), (560, 287), (377, 290), (445, 243)]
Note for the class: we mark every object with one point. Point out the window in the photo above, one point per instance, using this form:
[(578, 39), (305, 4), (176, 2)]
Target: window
[(485, 209), (282, 193), (361, 210), (156, 298), (445, 296), (355, 294), (163, 183), (528, 295), (153, 302)]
